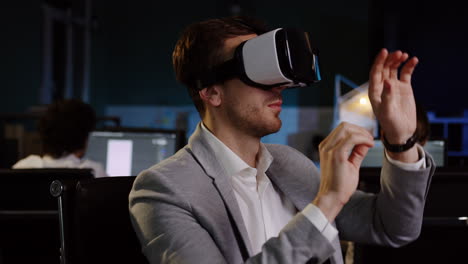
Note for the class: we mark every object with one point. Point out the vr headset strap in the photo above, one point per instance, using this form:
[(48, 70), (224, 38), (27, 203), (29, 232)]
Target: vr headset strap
[(219, 74)]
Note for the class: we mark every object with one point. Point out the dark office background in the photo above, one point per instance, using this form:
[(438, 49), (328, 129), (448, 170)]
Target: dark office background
[(132, 41)]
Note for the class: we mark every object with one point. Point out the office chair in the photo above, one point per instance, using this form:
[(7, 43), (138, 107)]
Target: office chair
[(29, 224), (444, 230), (95, 221)]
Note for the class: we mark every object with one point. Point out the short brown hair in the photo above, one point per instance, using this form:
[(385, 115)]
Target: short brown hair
[(201, 47)]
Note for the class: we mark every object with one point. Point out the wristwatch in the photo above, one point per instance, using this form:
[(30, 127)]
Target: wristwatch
[(400, 148)]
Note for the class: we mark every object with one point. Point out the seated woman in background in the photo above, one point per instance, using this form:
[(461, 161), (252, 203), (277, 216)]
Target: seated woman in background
[(64, 130)]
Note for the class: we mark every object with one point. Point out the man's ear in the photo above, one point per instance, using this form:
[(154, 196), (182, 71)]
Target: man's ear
[(211, 95)]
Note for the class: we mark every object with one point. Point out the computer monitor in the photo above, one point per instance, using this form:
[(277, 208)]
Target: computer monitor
[(436, 147), (128, 151)]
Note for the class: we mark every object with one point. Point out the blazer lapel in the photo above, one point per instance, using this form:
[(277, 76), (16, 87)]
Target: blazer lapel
[(299, 189), (300, 197), (204, 155)]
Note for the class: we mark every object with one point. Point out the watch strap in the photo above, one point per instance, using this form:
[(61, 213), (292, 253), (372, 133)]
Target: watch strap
[(400, 148)]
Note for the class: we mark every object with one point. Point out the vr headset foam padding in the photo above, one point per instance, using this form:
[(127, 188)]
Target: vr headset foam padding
[(281, 57)]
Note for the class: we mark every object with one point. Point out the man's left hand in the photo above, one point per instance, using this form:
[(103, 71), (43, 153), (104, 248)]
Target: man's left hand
[(392, 99)]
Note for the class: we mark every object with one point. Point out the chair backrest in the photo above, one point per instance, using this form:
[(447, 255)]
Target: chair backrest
[(444, 229), (96, 220), (28, 189), (28, 214), (9, 153), (446, 196)]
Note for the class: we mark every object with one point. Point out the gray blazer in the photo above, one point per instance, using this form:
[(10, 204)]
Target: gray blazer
[(184, 210)]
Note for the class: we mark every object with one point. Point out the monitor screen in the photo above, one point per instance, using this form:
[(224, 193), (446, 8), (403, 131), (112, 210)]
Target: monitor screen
[(128, 152), (437, 148)]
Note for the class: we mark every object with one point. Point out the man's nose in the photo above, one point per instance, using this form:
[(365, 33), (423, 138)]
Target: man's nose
[(278, 89)]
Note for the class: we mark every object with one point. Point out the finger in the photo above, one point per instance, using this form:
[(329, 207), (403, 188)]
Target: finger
[(387, 92), (325, 142), (377, 67), (341, 131), (393, 57), (398, 58), (346, 147), (407, 70), (331, 137), (389, 61), (344, 130), (404, 57), (376, 78), (394, 64), (358, 154)]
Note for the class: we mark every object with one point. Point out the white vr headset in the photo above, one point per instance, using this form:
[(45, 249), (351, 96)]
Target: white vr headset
[(281, 57)]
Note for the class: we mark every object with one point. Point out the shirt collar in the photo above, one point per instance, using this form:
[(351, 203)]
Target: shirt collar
[(232, 163), (264, 159)]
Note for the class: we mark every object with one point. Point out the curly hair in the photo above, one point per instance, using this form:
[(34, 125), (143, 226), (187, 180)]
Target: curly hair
[(65, 127), (201, 47)]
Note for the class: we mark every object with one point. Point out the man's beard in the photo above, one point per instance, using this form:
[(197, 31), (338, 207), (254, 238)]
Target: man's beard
[(251, 121)]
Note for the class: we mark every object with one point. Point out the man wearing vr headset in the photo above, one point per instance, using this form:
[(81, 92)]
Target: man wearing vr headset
[(228, 198)]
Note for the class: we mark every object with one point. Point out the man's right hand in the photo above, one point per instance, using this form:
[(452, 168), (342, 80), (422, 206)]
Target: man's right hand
[(341, 155)]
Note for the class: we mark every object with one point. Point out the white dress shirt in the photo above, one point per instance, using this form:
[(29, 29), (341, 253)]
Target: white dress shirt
[(68, 161), (265, 209)]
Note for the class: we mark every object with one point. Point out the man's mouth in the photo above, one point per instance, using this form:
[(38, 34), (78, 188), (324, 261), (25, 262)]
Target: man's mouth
[(276, 104)]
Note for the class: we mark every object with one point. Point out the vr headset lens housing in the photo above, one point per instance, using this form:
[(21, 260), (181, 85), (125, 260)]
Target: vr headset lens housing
[(281, 57)]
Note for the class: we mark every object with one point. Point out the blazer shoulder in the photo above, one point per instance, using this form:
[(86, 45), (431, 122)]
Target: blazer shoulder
[(180, 172), (289, 158), (280, 151)]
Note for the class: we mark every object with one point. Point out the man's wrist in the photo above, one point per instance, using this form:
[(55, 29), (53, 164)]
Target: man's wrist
[(400, 147), (329, 204), (420, 164), (320, 221), (409, 156)]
